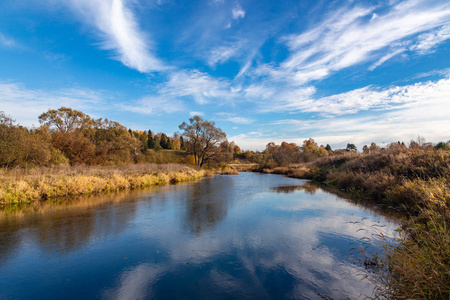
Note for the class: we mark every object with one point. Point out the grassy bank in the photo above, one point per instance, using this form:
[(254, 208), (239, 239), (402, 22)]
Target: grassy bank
[(410, 178), (416, 182), (27, 185)]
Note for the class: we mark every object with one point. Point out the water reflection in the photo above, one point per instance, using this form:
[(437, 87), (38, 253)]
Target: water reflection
[(64, 225), (207, 204), (248, 236), (309, 188)]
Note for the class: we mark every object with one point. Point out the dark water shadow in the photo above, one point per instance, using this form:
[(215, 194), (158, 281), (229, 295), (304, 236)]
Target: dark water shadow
[(207, 204)]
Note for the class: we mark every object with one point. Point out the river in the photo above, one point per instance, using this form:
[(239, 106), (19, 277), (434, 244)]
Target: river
[(250, 236)]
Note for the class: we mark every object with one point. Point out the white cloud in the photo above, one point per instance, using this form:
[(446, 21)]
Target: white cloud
[(196, 113), (8, 42), (119, 32), (278, 98), (386, 57), (223, 53), (151, 105), (239, 120), (200, 86), (238, 12), (428, 41), (26, 105), (348, 37), (441, 73)]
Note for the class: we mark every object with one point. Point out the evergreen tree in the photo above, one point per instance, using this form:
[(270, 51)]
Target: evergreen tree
[(164, 142), (150, 140), (157, 144), (351, 147), (182, 145), (143, 138)]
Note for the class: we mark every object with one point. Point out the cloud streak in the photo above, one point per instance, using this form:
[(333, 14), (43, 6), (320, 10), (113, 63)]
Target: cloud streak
[(151, 105), (355, 35), (7, 42), (118, 29), (200, 86)]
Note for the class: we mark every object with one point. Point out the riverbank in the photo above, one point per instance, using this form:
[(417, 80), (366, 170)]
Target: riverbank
[(414, 181), (34, 184)]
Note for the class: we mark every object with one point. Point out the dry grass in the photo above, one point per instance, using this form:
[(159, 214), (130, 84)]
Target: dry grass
[(26, 185), (418, 266)]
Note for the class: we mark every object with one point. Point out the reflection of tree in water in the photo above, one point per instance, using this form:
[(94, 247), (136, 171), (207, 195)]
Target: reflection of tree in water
[(309, 188), (65, 226), (207, 204)]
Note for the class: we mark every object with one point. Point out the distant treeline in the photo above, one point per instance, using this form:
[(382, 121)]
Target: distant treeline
[(67, 136), (287, 154)]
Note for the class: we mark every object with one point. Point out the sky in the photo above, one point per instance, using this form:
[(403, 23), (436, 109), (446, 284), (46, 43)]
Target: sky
[(264, 71)]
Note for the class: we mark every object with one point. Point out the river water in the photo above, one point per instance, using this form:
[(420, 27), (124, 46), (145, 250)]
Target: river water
[(250, 236)]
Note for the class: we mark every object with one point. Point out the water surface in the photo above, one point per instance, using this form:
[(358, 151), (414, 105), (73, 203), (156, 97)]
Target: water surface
[(251, 236)]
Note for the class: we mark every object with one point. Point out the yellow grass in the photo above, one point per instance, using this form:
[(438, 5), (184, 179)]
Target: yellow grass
[(27, 185)]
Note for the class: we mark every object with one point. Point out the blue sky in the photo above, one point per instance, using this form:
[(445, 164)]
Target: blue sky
[(265, 71)]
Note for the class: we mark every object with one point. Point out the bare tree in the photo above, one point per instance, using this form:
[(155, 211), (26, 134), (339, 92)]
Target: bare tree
[(202, 139)]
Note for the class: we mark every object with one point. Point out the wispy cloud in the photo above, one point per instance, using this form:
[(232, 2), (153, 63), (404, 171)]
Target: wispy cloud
[(223, 53), (441, 73), (386, 57), (119, 32), (26, 105), (233, 118), (238, 12), (366, 98), (202, 87), (8, 42), (428, 41), (151, 105), (196, 113), (351, 35)]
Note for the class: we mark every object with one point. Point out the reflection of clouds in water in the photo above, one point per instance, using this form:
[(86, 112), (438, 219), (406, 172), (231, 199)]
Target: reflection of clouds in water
[(292, 241), (135, 283)]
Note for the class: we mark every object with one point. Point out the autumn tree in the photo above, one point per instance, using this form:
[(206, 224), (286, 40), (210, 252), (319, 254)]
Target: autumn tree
[(311, 150), (65, 120), (84, 140), (22, 147), (202, 139), (114, 144), (11, 140), (365, 149), (176, 142)]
